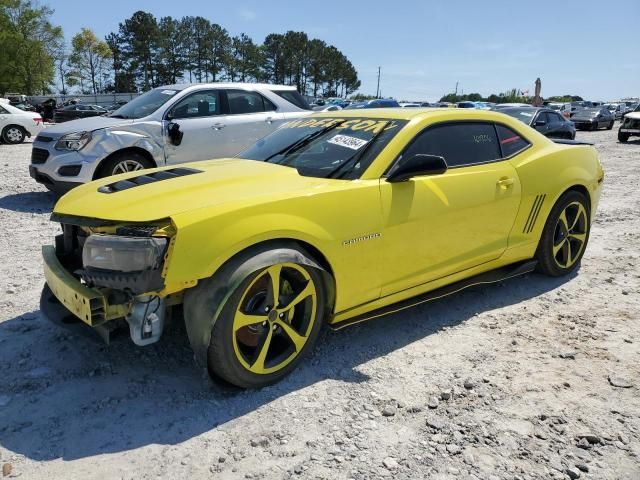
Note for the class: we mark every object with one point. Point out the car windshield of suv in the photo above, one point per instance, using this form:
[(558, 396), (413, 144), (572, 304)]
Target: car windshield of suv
[(326, 147), (145, 104)]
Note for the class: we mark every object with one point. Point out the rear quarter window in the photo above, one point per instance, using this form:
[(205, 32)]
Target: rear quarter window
[(511, 143), (294, 97)]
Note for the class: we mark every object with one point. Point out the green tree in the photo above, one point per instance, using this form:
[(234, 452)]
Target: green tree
[(172, 51), (29, 42), (140, 39), (88, 59)]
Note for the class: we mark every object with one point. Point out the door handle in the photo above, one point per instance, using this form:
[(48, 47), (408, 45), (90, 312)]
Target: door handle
[(269, 120), (218, 126), (505, 182)]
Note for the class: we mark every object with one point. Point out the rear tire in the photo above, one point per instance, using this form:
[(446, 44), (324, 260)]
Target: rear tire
[(623, 137), (13, 134), (122, 162), (565, 235), (611, 125)]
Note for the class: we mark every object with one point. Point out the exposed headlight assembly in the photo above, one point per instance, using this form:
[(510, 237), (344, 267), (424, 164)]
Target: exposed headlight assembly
[(73, 141), (123, 254)]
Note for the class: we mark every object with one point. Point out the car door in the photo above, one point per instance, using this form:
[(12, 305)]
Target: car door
[(199, 116), (4, 117), (442, 224), (251, 117), (541, 123), (556, 125)]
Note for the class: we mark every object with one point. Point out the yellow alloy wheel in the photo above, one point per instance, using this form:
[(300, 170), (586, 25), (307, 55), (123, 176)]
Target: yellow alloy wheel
[(274, 318), (570, 235)]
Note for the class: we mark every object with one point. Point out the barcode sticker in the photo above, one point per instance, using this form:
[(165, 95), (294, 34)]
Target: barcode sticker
[(353, 143)]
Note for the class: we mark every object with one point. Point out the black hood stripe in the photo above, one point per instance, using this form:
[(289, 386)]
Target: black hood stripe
[(146, 178)]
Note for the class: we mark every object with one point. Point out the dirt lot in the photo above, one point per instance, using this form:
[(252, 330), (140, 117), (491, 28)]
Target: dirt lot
[(534, 378)]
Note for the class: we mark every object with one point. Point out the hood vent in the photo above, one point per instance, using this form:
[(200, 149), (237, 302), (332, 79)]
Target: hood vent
[(147, 178)]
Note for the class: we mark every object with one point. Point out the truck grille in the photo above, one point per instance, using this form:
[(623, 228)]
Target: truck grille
[(39, 156)]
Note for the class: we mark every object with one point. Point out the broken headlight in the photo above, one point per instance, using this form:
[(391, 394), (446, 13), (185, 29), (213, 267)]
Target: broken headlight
[(123, 254)]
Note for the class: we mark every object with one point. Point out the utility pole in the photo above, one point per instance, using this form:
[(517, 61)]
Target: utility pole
[(378, 87), (456, 88)]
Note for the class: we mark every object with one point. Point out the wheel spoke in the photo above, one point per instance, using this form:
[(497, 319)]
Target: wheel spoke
[(297, 339), (242, 320), (262, 350), (306, 291), (581, 237), (274, 274), (563, 219), (568, 254), (556, 248), (577, 218), (136, 166)]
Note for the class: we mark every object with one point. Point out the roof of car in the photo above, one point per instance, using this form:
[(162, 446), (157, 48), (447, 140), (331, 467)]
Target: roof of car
[(250, 86), (399, 113)]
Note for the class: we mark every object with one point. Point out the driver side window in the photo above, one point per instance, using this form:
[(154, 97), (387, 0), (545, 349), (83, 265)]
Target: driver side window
[(200, 104)]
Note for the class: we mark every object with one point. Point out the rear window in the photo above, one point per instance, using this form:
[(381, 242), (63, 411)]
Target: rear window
[(294, 97), (511, 142)]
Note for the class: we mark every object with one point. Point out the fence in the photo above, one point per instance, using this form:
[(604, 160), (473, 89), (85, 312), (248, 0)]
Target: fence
[(102, 99)]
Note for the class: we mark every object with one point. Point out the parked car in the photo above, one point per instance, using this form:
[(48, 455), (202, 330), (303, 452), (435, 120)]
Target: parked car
[(631, 108), (165, 126), (16, 124), (410, 105), (262, 252), (593, 118), (630, 126), (376, 103), (616, 109), (466, 104), (330, 107), (565, 109), (79, 110), (500, 106), (545, 120)]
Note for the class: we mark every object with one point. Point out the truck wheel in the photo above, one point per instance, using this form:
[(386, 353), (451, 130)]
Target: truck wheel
[(623, 137), (269, 322), (13, 134), (565, 235), (123, 162)]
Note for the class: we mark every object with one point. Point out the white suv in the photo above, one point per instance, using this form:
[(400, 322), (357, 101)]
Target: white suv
[(167, 125)]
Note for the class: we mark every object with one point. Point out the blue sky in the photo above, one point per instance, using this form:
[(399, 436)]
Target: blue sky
[(588, 48)]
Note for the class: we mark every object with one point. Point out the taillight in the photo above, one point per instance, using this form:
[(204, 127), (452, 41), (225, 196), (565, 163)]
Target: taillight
[(37, 119)]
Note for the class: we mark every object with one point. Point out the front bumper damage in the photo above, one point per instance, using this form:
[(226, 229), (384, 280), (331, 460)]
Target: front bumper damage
[(81, 306)]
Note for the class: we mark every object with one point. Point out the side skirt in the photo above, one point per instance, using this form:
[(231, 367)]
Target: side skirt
[(493, 276)]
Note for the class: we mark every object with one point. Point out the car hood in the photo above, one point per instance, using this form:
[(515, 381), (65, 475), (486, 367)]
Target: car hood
[(86, 125), (588, 115), (634, 115), (233, 182)]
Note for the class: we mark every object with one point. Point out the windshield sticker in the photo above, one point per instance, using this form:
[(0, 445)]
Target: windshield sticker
[(355, 124), (526, 114), (168, 92), (353, 143)]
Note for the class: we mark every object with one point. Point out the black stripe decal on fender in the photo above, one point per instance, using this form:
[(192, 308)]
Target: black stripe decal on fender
[(536, 212), (533, 207)]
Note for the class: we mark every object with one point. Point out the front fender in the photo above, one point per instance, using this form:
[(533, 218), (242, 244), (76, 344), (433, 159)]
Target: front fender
[(146, 136), (203, 304)]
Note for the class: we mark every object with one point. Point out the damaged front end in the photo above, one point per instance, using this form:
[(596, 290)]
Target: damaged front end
[(106, 274)]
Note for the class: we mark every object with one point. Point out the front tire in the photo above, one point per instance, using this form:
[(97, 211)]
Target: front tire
[(123, 162), (565, 235), (269, 322), (623, 137), (13, 134)]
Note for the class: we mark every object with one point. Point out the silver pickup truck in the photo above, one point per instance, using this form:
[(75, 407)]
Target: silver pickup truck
[(167, 125)]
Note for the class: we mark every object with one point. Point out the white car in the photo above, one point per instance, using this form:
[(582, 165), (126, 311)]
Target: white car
[(165, 126), (16, 124)]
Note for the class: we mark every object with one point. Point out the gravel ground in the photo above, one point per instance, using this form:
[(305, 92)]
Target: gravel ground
[(534, 378)]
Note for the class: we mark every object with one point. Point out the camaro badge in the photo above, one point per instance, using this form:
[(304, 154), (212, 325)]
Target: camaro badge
[(353, 241)]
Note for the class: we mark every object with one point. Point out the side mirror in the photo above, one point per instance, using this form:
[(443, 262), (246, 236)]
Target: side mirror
[(540, 123), (417, 166), (175, 135)]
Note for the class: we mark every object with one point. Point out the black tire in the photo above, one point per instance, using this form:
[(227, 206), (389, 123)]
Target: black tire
[(108, 166), (611, 125), (595, 126), (623, 137), (13, 134), (222, 361), (547, 262)]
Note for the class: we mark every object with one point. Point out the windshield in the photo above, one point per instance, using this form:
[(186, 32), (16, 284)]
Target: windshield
[(145, 104), (326, 147), (523, 115)]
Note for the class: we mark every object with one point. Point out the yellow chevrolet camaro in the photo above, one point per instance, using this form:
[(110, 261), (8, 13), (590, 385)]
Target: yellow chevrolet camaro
[(332, 219)]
